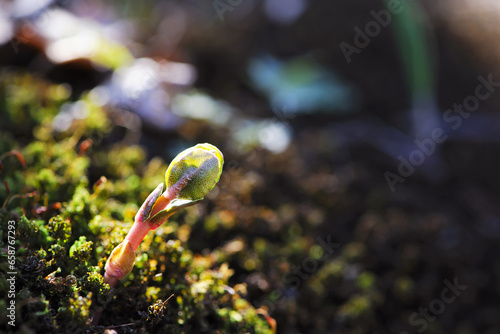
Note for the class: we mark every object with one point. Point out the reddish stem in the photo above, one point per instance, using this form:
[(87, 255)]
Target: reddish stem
[(137, 233), (111, 280)]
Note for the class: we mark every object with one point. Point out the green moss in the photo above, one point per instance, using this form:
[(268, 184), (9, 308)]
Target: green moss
[(59, 229), (27, 228), (76, 309), (67, 228), (81, 250), (22, 107)]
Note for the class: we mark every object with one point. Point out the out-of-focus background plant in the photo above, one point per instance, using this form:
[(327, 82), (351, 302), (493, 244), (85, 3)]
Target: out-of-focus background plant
[(361, 170)]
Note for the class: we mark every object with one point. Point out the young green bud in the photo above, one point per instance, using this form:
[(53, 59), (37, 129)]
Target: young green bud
[(189, 177), (194, 172)]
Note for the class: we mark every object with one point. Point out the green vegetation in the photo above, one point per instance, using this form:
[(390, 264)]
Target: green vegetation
[(68, 225)]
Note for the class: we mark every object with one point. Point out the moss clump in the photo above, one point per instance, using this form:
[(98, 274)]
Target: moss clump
[(81, 250), (82, 203), (59, 229)]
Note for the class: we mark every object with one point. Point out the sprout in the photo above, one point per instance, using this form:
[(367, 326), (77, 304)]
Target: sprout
[(190, 176)]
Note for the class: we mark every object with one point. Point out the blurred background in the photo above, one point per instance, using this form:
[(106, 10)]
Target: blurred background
[(361, 141)]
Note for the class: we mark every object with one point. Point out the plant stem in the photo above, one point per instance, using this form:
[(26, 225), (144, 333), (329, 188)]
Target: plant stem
[(111, 280), (137, 233)]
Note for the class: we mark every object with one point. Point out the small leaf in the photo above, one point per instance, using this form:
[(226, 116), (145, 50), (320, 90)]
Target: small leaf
[(145, 210), (172, 207)]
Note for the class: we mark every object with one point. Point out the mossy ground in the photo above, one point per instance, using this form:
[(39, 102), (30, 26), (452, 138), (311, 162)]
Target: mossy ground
[(68, 225)]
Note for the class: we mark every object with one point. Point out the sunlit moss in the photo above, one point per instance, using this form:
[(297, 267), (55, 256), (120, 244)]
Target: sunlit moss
[(71, 223), (81, 250), (59, 229)]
